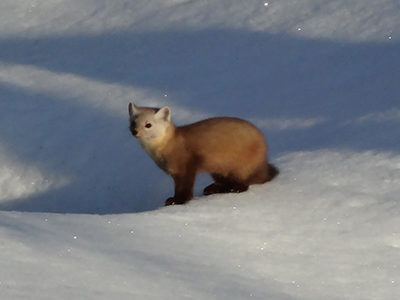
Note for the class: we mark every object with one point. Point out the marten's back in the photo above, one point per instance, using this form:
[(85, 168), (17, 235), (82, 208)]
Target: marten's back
[(226, 145)]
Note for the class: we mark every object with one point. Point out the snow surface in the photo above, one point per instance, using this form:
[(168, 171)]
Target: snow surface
[(81, 213)]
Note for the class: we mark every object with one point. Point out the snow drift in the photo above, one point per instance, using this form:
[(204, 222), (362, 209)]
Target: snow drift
[(81, 203)]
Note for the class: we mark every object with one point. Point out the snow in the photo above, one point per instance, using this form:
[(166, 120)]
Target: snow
[(81, 213)]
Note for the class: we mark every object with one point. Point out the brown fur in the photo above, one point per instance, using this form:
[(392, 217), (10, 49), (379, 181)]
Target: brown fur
[(232, 150)]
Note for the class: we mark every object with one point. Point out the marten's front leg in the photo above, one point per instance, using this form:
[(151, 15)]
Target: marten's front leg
[(183, 188)]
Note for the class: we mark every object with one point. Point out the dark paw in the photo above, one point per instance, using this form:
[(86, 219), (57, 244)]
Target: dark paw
[(210, 189), (214, 188), (170, 201), (239, 189), (174, 201)]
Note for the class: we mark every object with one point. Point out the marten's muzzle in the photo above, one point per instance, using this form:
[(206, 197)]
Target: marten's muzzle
[(133, 131)]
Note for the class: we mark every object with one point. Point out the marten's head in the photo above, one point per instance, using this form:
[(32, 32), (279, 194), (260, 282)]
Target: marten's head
[(148, 123)]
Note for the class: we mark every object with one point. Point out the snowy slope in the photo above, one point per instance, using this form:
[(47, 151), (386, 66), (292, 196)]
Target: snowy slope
[(80, 202)]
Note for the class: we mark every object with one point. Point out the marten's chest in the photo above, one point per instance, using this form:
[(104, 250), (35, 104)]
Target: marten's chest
[(156, 155), (169, 154)]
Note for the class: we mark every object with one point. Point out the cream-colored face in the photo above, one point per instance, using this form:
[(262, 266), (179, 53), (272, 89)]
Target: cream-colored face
[(147, 123)]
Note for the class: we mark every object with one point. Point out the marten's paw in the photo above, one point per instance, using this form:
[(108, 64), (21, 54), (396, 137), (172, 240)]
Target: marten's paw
[(216, 188), (213, 188), (170, 201), (175, 201)]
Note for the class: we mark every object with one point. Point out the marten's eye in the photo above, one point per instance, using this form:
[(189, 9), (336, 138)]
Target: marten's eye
[(148, 125)]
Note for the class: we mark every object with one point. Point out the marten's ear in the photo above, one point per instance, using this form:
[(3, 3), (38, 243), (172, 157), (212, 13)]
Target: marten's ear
[(133, 109), (164, 113)]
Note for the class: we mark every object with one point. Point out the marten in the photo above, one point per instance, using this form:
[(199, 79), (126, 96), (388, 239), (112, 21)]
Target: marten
[(232, 150)]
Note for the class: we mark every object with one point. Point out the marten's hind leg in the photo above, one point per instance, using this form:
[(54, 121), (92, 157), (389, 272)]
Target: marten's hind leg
[(224, 185)]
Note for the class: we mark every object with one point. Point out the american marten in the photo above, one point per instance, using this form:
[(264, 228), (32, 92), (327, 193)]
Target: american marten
[(232, 150)]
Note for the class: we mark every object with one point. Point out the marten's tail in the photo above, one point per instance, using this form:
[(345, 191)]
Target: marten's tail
[(272, 172)]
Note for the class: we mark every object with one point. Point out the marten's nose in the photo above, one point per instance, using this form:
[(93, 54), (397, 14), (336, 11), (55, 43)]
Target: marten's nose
[(134, 131)]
